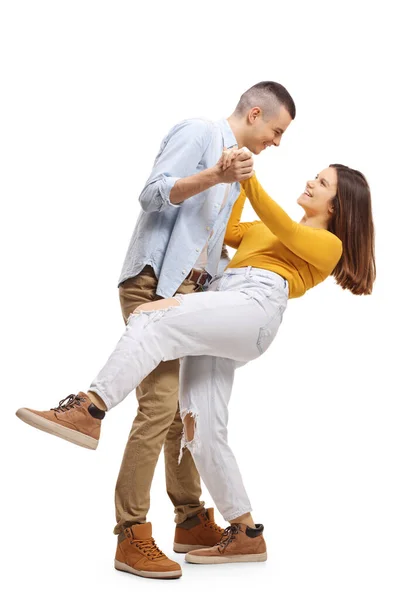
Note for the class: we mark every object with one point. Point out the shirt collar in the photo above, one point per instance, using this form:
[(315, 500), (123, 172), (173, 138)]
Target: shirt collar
[(227, 133)]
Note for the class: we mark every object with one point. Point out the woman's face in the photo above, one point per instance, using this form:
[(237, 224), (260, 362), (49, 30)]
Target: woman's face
[(316, 198)]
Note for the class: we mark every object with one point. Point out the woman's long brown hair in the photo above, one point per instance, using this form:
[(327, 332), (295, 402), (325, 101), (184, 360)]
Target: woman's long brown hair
[(352, 223)]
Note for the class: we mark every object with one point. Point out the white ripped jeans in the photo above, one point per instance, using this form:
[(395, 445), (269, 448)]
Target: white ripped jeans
[(214, 332)]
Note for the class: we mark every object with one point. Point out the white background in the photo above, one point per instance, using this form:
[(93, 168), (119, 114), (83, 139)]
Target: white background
[(89, 88)]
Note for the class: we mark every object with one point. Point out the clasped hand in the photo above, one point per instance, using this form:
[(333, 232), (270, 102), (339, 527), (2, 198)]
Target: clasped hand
[(235, 164)]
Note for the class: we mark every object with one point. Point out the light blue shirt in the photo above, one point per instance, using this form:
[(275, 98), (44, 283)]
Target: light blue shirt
[(170, 237)]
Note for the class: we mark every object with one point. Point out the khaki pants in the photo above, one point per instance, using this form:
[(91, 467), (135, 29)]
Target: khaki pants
[(157, 422)]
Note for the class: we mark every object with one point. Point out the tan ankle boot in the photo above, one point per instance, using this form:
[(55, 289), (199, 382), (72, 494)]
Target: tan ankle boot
[(75, 419), (239, 543), (138, 554), (199, 531)]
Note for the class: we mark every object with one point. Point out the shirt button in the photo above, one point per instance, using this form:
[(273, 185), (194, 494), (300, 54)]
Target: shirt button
[(183, 272), (208, 229), (197, 250)]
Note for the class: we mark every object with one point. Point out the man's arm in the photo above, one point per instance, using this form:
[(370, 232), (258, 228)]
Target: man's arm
[(172, 181), (177, 158), (239, 170)]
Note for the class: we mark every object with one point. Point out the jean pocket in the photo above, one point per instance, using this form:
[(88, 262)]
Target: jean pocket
[(265, 284)]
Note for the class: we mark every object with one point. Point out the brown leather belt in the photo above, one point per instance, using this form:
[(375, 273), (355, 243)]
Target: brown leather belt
[(198, 277)]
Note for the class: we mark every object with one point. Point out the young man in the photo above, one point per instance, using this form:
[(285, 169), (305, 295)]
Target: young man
[(176, 247)]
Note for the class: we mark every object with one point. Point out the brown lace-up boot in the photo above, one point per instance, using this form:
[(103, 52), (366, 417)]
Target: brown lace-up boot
[(138, 553), (75, 419), (199, 531), (239, 543)]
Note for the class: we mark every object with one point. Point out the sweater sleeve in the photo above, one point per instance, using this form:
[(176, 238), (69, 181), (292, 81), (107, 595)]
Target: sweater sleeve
[(235, 230), (318, 247)]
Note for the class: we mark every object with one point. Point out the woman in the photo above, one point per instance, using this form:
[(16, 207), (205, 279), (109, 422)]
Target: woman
[(276, 259)]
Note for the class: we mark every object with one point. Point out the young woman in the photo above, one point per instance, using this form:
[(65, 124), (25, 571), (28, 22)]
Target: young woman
[(232, 323)]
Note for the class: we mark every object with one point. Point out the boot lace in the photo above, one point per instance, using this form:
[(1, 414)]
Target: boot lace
[(228, 536), (215, 527), (211, 524), (69, 402), (149, 548)]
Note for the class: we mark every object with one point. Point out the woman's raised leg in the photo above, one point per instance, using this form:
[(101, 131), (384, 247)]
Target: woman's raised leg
[(225, 324)]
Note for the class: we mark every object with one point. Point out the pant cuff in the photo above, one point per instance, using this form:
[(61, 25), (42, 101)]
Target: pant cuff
[(102, 395), (237, 513), (181, 518)]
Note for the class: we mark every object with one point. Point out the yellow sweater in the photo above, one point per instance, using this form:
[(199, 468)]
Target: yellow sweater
[(303, 255)]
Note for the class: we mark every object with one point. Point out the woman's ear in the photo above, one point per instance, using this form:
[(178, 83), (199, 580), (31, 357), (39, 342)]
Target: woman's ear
[(331, 208)]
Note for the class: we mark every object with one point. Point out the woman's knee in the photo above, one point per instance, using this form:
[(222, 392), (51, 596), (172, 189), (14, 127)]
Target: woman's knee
[(197, 430), (189, 425)]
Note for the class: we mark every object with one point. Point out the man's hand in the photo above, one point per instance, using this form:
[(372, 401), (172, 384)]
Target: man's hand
[(235, 165)]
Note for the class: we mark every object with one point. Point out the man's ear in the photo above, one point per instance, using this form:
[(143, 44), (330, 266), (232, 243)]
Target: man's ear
[(254, 113)]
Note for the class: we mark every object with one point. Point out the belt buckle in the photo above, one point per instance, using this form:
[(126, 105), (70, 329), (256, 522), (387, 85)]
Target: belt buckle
[(199, 279)]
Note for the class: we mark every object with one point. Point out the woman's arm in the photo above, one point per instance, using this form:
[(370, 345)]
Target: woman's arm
[(235, 230), (316, 246)]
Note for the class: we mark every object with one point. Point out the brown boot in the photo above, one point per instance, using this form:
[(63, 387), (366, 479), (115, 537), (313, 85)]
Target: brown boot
[(137, 553), (75, 419), (239, 543), (199, 531)]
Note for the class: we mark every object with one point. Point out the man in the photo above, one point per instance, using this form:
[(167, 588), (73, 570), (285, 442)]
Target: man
[(176, 247)]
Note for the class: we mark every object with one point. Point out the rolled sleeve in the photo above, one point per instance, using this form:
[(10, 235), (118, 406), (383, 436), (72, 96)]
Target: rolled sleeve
[(179, 156), (167, 183)]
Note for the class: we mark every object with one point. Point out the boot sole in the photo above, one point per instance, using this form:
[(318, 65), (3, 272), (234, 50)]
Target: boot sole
[(70, 435), (183, 548), (211, 560), (150, 574)]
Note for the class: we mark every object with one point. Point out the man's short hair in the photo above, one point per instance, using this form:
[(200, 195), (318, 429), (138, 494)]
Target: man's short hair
[(269, 96)]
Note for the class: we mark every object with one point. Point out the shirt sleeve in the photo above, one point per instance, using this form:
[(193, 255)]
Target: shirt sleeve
[(235, 230), (318, 247), (178, 157)]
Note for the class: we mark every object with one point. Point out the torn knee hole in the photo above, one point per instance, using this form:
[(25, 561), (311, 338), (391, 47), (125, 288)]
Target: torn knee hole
[(190, 441), (189, 424), (164, 304)]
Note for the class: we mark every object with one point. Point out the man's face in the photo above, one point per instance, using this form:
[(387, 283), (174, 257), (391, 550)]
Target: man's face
[(262, 133)]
